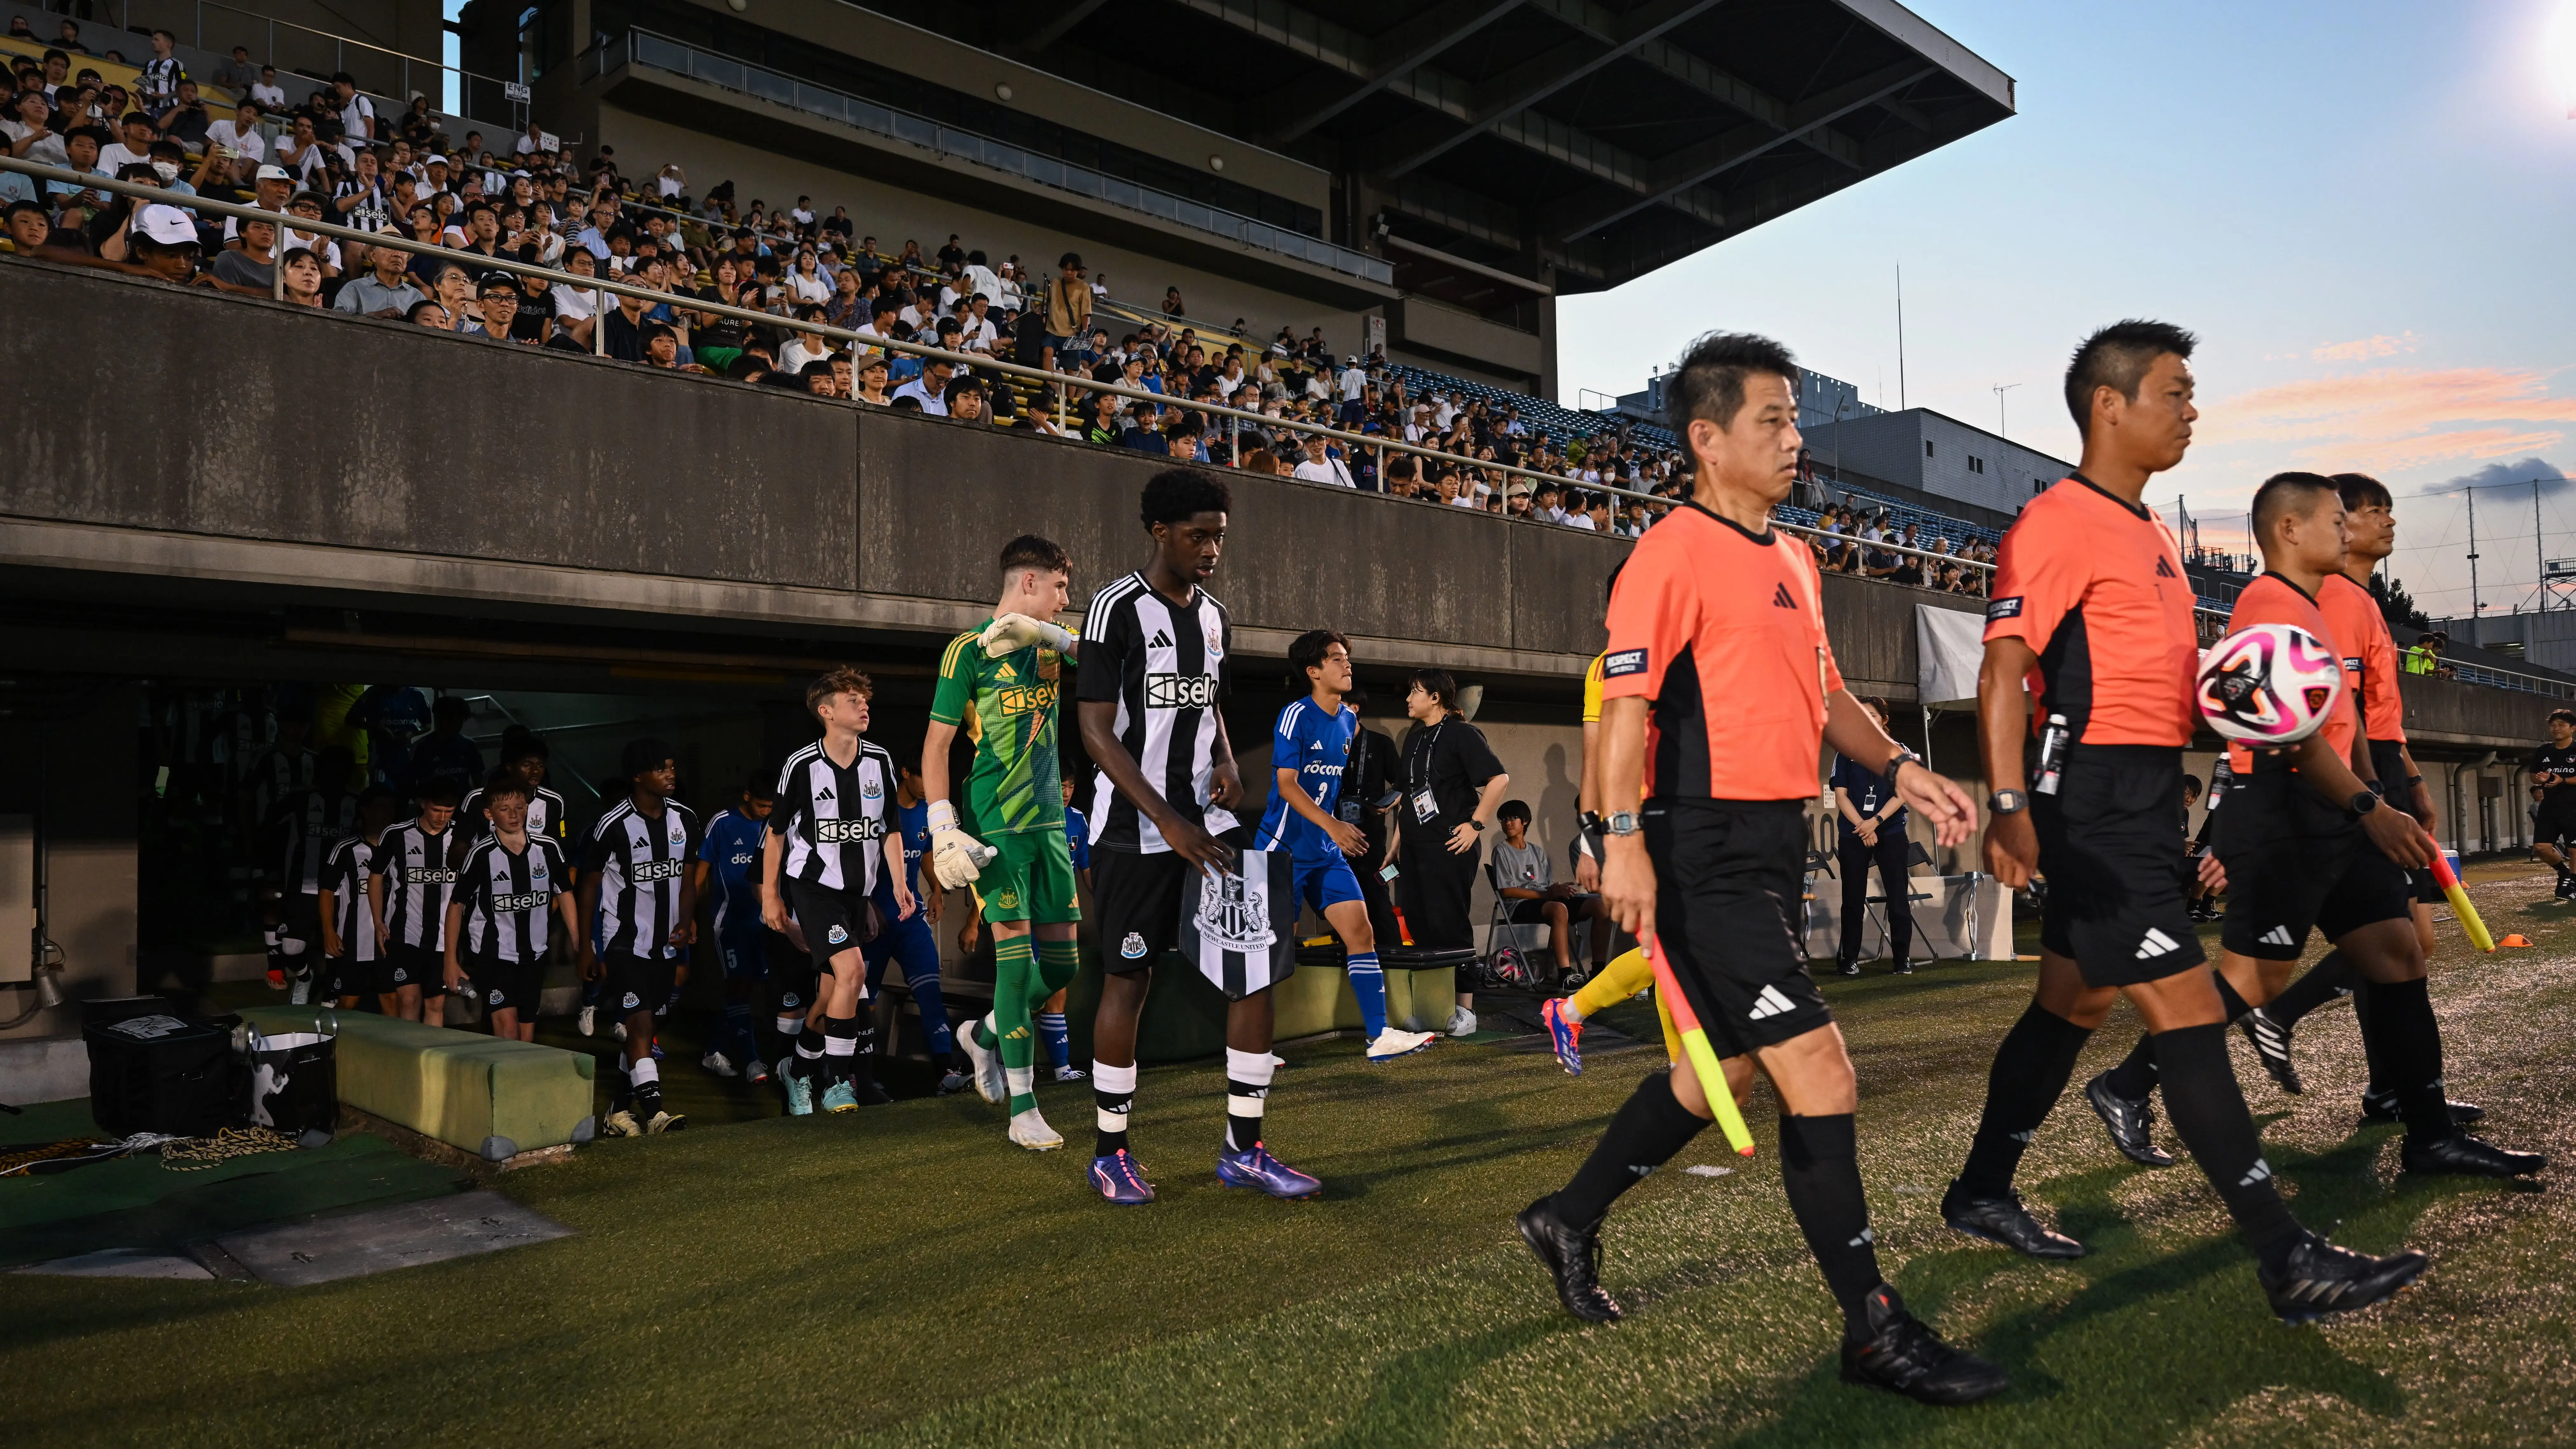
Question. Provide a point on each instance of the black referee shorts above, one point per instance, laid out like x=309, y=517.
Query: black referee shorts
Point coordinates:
x=1728, y=876
x=2295, y=861
x=2555, y=824
x=2111, y=846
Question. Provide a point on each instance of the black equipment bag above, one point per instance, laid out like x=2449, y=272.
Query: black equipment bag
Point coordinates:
x=156, y=1073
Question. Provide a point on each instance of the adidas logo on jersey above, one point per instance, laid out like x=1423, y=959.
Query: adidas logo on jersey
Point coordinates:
x=2277, y=936
x=2156, y=944
x=1161, y=640
x=2165, y=569
x=1780, y=597
x=1769, y=1004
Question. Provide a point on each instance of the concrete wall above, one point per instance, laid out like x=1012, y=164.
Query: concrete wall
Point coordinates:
x=1450, y=333
x=67, y=757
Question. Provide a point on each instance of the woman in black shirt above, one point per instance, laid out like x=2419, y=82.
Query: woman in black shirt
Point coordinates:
x=1452, y=786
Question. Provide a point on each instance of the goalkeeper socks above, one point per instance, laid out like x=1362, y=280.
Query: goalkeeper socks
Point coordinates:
x=1113, y=1092
x=2029, y=1075
x=1650, y=1127
x=1057, y=1039
x=840, y=1048
x=1058, y=963
x=1247, y=1084
x=1368, y=983
x=2208, y=1110
x=1014, y=975
x=1820, y=1170
x=2401, y=1014
x=1627, y=974
x=2326, y=980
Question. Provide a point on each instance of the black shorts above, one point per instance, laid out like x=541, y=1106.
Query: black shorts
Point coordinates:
x=507, y=985
x=2555, y=822
x=629, y=983
x=362, y=978
x=833, y=921
x=1728, y=875
x=2110, y=844
x=299, y=917
x=415, y=966
x=1137, y=900
x=2295, y=861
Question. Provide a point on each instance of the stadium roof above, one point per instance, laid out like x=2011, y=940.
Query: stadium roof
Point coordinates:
x=1598, y=138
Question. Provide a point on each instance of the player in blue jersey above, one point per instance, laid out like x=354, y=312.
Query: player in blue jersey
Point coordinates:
x=909, y=941
x=1304, y=818
x=1053, y=1032
x=729, y=861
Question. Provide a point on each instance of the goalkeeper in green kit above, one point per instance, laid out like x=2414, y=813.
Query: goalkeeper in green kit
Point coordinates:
x=1000, y=682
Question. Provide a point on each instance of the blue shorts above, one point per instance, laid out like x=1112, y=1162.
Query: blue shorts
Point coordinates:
x=740, y=941
x=1327, y=883
x=907, y=943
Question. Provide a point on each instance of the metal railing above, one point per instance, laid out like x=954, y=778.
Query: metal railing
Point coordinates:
x=512, y=91
x=659, y=52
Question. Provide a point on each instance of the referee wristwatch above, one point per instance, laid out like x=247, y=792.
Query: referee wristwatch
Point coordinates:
x=1898, y=761
x=2362, y=803
x=1622, y=822
x=2007, y=802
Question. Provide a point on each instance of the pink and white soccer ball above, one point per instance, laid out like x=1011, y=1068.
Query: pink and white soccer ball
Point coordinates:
x=2268, y=684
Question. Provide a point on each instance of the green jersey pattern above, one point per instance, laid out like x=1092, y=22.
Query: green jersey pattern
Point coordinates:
x=1007, y=706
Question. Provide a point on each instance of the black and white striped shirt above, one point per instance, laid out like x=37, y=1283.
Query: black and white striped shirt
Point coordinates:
x=546, y=817
x=1166, y=666
x=642, y=862
x=308, y=823
x=835, y=819
x=344, y=875
x=419, y=874
x=278, y=773
x=509, y=898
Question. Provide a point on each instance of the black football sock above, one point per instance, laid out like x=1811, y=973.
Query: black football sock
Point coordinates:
x=2401, y=1012
x=1113, y=1095
x=2029, y=1075
x=647, y=1076
x=2371, y=1048
x=2135, y=1076
x=2208, y=1111
x=1649, y=1128
x=809, y=1053
x=863, y=1062
x=840, y=1048
x=1820, y=1169
x=2228, y=1000
x=2324, y=981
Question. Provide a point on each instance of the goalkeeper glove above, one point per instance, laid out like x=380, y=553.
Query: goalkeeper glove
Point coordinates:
x=1011, y=633
x=956, y=858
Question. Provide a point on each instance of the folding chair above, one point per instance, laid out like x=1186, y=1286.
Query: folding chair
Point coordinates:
x=1511, y=961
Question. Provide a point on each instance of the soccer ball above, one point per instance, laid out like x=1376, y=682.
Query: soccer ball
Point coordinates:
x=2268, y=684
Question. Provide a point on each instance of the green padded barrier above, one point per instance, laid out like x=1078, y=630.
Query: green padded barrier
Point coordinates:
x=488, y=1097
x=1421, y=1000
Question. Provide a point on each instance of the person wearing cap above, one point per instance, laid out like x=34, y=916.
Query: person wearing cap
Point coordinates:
x=496, y=306
x=385, y=290
x=870, y=381
x=271, y=185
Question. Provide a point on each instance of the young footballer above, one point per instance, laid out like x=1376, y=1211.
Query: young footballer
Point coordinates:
x=1719, y=690
x=353, y=949
x=408, y=880
x=837, y=834
x=509, y=894
x=523, y=755
x=2091, y=611
x=910, y=941
x=729, y=865
x=1308, y=752
x=639, y=895
x=1001, y=682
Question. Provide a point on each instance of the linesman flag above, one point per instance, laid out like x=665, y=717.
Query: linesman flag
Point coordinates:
x=1240, y=929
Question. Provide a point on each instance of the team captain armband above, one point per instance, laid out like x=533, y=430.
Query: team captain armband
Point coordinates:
x=1622, y=663
x=2003, y=608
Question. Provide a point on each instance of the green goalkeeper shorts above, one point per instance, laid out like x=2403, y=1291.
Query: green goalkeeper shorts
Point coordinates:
x=1031, y=879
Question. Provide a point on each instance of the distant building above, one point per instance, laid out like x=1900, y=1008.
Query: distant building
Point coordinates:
x=1930, y=459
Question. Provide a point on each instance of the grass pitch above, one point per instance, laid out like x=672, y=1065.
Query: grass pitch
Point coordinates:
x=905, y=1277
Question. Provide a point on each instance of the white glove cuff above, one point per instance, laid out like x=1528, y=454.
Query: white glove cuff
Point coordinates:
x=943, y=815
x=1055, y=636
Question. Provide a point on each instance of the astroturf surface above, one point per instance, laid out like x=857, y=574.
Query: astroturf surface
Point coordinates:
x=904, y=1276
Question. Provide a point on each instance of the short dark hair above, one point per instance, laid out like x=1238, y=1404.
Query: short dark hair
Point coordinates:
x=1514, y=810
x=1177, y=494
x=760, y=784
x=440, y=790
x=2118, y=356
x=1440, y=684
x=2283, y=494
x=520, y=744
x=505, y=782
x=1028, y=551
x=1308, y=651
x=2568, y=715
x=1709, y=380
x=839, y=679
x=2360, y=490
x=645, y=754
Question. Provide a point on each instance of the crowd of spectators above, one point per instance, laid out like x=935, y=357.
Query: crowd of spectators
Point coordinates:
x=332, y=156
x=1865, y=542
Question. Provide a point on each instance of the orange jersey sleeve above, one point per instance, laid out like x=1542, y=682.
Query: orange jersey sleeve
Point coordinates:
x=2094, y=585
x=1723, y=633
x=2272, y=599
x=2369, y=656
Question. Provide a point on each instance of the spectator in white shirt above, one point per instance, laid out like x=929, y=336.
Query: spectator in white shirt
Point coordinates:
x=357, y=114
x=135, y=148
x=1353, y=379
x=1321, y=467
x=240, y=134
x=268, y=92
x=533, y=143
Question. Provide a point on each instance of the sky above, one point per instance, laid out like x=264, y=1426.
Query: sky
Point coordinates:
x=2366, y=211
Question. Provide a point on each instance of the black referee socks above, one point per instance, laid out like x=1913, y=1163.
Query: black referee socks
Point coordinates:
x=2323, y=982
x=1820, y=1169
x=2208, y=1110
x=1650, y=1127
x=2410, y=1041
x=2029, y=1075
x=2135, y=1076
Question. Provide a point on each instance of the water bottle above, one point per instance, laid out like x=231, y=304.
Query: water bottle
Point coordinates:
x=2052, y=756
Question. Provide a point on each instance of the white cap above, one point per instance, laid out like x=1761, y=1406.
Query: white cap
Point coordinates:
x=167, y=225
x=272, y=173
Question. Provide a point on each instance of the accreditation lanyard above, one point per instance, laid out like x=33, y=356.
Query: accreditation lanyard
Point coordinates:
x=1418, y=776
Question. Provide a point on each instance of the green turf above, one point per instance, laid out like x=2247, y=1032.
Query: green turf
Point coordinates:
x=905, y=1277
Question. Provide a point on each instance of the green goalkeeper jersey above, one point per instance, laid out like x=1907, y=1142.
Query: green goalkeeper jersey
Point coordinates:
x=1007, y=706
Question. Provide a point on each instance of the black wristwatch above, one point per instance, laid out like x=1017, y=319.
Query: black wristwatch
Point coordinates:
x=1899, y=761
x=2007, y=802
x=2362, y=804
x=1478, y=824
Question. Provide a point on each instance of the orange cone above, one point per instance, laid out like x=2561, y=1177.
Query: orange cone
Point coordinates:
x=2515, y=940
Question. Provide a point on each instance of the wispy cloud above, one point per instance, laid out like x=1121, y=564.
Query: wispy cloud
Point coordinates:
x=2364, y=348
x=2393, y=419
x=2521, y=470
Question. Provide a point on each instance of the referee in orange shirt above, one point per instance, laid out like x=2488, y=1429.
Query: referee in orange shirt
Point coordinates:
x=2092, y=612
x=1718, y=688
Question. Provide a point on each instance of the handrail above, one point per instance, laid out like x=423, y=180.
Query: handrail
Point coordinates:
x=341, y=42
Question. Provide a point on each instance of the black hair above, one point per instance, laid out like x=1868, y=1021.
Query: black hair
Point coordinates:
x=2191, y=784
x=1514, y=810
x=1178, y=494
x=1709, y=380
x=2360, y=490
x=2118, y=357
x=1439, y=684
x=506, y=781
x=2568, y=715
x=518, y=742
x=2283, y=494
x=1028, y=551
x=643, y=755
x=441, y=791
x=760, y=784
x=1308, y=651
x=451, y=705
x=374, y=794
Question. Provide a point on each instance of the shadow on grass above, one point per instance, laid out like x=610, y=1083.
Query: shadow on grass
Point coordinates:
x=1408, y=1402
